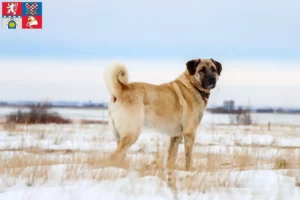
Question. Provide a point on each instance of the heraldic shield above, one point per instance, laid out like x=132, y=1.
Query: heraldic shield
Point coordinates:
x=25, y=15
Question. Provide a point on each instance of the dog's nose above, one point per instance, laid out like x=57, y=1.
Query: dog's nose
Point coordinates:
x=212, y=80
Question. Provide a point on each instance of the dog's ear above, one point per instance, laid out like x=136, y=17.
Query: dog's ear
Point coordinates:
x=218, y=65
x=192, y=65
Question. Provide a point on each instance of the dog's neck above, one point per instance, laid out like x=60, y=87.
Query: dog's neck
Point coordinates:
x=200, y=94
x=204, y=94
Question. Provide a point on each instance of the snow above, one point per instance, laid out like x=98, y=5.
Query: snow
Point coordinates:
x=59, y=165
x=258, y=185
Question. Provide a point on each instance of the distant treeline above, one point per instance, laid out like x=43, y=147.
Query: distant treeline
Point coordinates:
x=229, y=107
x=223, y=110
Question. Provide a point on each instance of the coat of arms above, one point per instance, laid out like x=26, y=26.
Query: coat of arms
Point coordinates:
x=25, y=15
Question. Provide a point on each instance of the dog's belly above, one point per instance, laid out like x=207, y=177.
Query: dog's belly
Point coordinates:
x=162, y=125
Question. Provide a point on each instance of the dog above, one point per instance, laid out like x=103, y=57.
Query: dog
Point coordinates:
x=174, y=108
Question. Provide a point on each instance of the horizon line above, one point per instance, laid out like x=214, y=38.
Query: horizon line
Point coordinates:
x=107, y=102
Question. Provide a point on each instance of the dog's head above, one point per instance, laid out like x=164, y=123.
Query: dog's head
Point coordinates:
x=204, y=73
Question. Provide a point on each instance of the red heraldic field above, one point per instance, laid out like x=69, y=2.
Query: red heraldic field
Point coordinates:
x=11, y=8
x=32, y=22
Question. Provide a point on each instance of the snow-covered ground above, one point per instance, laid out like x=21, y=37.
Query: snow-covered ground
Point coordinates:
x=72, y=162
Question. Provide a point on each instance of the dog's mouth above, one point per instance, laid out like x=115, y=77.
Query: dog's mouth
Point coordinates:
x=211, y=86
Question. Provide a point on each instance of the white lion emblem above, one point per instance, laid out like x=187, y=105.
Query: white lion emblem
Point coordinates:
x=12, y=8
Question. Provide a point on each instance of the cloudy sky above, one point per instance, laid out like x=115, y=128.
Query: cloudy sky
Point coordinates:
x=257, y=42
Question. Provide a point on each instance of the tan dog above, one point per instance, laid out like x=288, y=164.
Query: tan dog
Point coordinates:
x=175, y=108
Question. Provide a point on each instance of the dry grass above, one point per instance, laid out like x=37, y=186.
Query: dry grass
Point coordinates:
x=211, y=168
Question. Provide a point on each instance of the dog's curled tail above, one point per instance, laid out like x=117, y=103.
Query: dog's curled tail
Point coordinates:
x=116, y=78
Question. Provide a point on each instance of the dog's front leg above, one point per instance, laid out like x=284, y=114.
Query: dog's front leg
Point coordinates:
x=173, y=149
x=189, y=139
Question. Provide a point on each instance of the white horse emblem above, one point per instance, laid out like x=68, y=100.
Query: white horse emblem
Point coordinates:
x=31, y=21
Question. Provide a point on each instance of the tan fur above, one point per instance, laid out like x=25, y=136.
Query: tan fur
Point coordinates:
x=175, y=108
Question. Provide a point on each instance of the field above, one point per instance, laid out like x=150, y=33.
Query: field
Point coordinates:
x=73, y=162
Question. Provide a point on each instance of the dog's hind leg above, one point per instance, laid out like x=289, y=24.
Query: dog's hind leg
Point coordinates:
x=128, y=125
x=124, y=144
x=114, y=130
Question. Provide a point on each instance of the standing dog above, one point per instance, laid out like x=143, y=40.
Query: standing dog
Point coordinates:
x=175, y=108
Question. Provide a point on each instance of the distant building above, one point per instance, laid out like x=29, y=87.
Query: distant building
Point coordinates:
x=228, y=105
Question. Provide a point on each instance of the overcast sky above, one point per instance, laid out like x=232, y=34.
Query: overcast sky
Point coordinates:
x=257, y=42
x=255, y=29
x=257, y=83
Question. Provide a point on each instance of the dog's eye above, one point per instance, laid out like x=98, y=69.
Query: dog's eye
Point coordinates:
x=203, y=70
x=213, y=69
